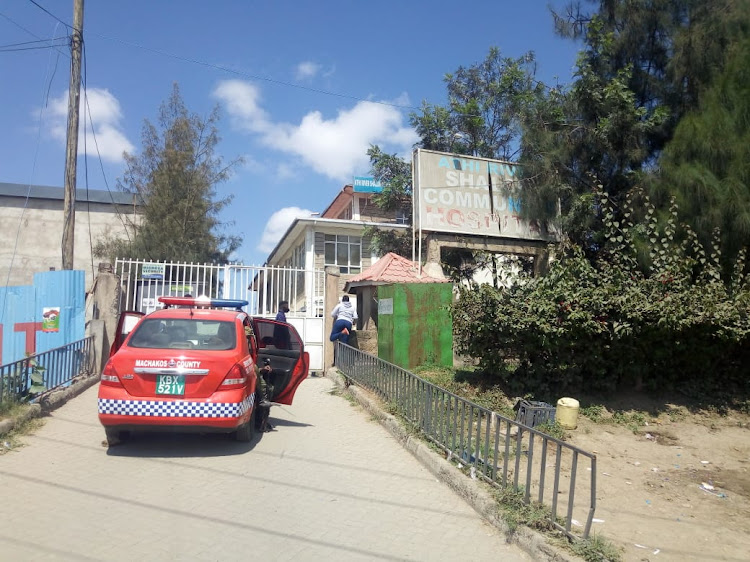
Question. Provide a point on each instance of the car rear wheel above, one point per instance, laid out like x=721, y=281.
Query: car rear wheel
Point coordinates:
x=245, y=432
x=115, y=436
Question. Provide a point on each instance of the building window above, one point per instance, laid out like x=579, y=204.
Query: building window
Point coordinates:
x=297, y=258
x=344, y=252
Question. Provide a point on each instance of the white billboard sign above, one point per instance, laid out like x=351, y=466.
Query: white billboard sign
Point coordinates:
x=460, y=194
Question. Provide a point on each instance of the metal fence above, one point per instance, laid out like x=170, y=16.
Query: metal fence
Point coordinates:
x=143, y=282
x=57, y=366
x=496, y=449
x=262, y=286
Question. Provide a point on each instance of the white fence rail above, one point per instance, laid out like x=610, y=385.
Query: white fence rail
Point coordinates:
x=143, y=282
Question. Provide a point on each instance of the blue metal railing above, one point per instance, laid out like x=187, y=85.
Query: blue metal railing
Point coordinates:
x=496, y=449
x=57, y=366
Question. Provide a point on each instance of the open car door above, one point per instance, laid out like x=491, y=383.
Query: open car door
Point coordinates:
x=280, y=344
x=125, y=325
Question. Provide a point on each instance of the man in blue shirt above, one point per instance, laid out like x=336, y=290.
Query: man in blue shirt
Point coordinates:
x=283, y=309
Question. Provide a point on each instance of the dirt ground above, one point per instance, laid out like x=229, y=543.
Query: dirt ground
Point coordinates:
x=677, y=489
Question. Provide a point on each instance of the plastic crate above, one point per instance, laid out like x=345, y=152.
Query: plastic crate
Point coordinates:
x=533, y=413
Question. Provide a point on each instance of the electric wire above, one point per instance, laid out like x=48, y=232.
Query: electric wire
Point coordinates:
x=46, y=11
x=54, y=73
x=14, y=22
x=18, y=25
x=252, y=76
x=277, y=82
x=15, y=50
x=66, y=37
x=96, y=143
x=257, y=77
x=31, y=181
x=86, y=176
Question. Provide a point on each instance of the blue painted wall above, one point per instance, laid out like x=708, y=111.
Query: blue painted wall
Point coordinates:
x=21, y=313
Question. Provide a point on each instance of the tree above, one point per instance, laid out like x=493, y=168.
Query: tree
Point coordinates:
x=675, y=47
x=175, y=176
x=596, y=131
x=481, y=118
x=643, y=65
x=705, y=166
x=485, y=101
x=394, y=173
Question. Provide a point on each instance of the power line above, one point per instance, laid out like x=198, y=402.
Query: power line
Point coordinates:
x=252, y=76
x=247, y=74
x=33, y=169
x=281, y=82
x=19, y=26
x=37, y=41
x=96, y=144
x=88, y=198
x=6, y=50
x=46, y=11
x=54, y=72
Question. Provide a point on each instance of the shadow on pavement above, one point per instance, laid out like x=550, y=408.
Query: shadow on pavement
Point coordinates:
x=287, y=423
x=160, y=444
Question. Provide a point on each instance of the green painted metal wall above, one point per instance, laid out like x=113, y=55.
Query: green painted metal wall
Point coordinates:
x=419, y=330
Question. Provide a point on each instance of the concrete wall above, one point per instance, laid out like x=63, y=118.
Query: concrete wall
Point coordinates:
x=31, y=235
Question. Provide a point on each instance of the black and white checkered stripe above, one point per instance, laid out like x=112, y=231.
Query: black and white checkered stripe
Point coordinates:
x=176, y=408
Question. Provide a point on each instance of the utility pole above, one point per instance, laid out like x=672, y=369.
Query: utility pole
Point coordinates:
x=71, y=150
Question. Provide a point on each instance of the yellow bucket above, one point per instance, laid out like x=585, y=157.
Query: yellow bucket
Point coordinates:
x=566, y=413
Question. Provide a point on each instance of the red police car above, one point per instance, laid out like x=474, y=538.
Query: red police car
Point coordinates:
x=191, y=366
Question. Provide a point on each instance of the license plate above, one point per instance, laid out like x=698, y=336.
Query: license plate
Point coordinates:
x=170, y=384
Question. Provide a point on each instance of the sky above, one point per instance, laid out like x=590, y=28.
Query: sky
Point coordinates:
x=303, y=87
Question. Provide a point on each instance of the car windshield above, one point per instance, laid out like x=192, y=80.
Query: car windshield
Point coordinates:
x=161, y=333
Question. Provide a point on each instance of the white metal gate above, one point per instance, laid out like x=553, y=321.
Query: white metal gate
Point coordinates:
x=262, y=286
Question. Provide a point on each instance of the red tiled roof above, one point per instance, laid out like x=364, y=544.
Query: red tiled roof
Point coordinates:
x=393, y=268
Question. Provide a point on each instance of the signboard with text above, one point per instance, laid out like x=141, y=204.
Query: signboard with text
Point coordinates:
x=460, y=194
x=153, y=271
x=366, y=185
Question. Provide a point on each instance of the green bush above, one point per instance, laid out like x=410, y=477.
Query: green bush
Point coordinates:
x=615, y=321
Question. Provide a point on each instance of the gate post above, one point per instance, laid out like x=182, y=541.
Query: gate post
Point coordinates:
x=332, y=276
x=105, y=307
x=227, y=282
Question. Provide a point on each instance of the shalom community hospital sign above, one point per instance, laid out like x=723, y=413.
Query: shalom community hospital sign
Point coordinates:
x=464, y=195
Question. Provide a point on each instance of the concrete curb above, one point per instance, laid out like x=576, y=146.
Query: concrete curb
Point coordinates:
x=34, y=411
x=50, y=401
x=473, y=492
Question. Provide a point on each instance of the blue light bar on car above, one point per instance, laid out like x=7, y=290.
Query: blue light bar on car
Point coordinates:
x=203, y=301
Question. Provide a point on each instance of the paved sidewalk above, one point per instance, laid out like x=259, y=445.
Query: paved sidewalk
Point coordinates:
x=327, y=484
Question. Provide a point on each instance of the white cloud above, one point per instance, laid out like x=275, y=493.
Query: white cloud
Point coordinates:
x=242, y=103
x=307, y=69
x=335, y=147
x=105, y=115
x=252, y=164
x=277, y=226
x=285, y=172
